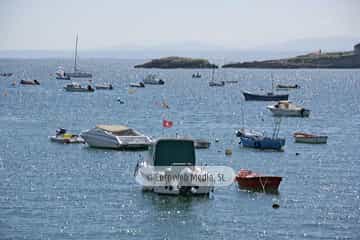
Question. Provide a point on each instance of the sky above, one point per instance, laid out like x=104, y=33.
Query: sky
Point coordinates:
x=129, y=24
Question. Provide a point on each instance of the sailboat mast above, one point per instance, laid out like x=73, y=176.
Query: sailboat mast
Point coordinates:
x=76, y=45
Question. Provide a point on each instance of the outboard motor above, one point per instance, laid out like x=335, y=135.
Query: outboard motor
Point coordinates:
x=60, y=131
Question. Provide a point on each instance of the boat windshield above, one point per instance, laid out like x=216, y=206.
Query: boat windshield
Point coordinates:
x=172, y=152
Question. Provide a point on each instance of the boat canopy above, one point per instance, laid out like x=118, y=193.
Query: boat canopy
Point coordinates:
x=113, y=128
x=174, y=152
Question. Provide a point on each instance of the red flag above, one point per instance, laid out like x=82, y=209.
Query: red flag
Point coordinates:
x=167, y=124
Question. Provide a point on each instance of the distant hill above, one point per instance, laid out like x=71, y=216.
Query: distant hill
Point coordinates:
x=318, y=59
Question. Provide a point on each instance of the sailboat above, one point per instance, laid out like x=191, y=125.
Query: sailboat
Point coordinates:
x=77, y=73
x=270, y=96
x=213, y=83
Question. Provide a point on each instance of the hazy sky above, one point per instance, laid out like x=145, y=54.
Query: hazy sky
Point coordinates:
x=241, y=24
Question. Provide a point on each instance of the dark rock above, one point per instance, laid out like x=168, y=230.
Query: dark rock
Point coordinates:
x=177, y=62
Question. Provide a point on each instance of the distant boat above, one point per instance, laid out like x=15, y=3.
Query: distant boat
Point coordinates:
x=30, y=82
x=77, y=73
x=6, y=74
x=137, y=85
x=257, y=182
x=270, y=96
x=231, y=81
x=301, y=137
x=288, y=109
x=61, y=75
x=214, y=83
x=196, y=75
x=104, y=86
x=285, y=87
x=76, y=87
x=201, y=144
x=153, y=80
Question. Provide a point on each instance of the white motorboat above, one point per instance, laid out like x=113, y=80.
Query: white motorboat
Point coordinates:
x=170, y=169
x=301, y=137
x=115, y=137
x=153, y=79
x=76, y=87
x=288, y=109
x=60, y=74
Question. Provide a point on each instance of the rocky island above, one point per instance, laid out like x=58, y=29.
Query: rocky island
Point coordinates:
x=177, y=62
x=349, y=59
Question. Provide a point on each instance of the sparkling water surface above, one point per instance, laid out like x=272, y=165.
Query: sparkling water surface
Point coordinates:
x=54, y=191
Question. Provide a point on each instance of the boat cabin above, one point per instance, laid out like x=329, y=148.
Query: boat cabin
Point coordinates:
x=173, y=152
x=118, y=130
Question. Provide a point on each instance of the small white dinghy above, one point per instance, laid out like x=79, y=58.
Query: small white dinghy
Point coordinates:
x=301, y=137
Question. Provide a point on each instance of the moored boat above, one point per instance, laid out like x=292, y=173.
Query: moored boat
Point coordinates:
x=137, y=85
x=77, y=73
x=288, y=109
x=249, y=180
x=104, y=86
x=116, y=137
x=63, y=137
x=153, y=80
x=216, y=84
x=284, y=86
x=30, y=82
x=196, y=75
x=76, y=87
x=301, y=137
x=201, y=143
x=61, y=75
x=6, y=74
x=270, y=96
x=253, y=139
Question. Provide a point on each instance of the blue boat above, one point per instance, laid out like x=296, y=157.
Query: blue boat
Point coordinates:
x=249, y=138
x=265, y=97
x=270, y=96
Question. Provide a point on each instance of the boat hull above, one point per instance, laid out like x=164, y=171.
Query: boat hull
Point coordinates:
x=185, y=191
x=201, y=144
x=79, y=75
x=311, y=140
x=259, y=183
x=101, y=87
x=289, y=112
x=258, y=97
x=63, y=140
x=100, y=139
x=263, y=143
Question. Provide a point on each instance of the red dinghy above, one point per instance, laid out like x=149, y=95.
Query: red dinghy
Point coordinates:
x=257, y=182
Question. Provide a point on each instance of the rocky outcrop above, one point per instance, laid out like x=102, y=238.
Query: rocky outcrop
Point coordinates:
x=350, y=59
x=177, y=62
